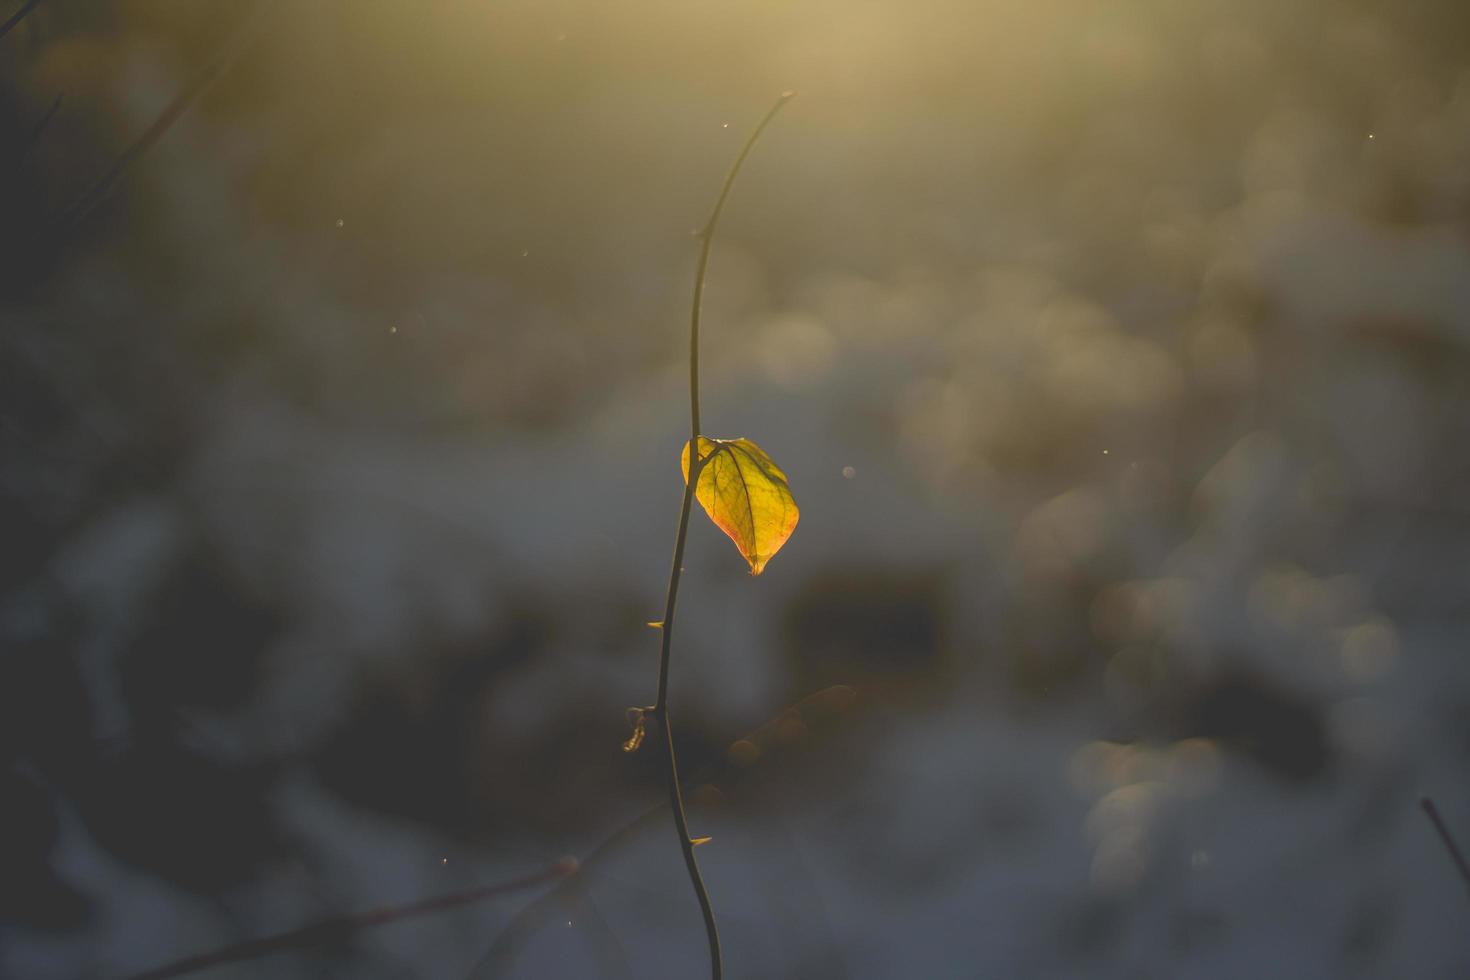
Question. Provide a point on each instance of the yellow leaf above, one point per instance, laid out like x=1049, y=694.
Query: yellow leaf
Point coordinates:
x=745, y=493
x=696, y=841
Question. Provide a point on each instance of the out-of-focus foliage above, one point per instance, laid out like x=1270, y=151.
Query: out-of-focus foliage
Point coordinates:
x=746, y=494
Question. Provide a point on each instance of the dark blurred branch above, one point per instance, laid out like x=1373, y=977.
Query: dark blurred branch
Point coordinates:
x=501, y=955
x=329, y=929
x=1449, y=842
x=40, y=126
x=606, y=948
x=230, y=51
x=570, y=875
x=18, y=16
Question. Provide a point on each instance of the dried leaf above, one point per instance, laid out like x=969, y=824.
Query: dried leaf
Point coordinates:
x=638, y=718
x=746, y=494
x=696, y=841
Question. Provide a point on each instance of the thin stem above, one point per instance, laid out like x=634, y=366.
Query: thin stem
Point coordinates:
x=1432, y=812
x=660, y=710
x=707, y=236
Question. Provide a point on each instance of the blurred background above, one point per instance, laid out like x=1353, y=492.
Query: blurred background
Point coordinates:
x=1118, y=355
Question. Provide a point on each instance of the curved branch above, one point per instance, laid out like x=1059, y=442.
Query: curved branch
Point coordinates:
x=660, y=710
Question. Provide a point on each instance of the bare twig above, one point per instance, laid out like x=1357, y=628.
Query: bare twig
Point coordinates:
x=501, y=956
x=18, y=16
x=328, y=929
x=570, y=875
x=240, y=38
x=1456, y=856
x=40, y=126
